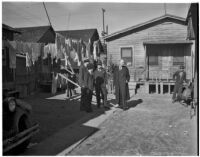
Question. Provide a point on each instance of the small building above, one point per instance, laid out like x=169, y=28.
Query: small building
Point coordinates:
x=153, y=50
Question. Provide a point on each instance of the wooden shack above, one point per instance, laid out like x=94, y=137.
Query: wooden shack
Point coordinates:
x=153, y=50
x=41, y=71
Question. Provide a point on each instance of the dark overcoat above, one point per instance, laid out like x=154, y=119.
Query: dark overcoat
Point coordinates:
x=121, y=79
x=180, y=78
x=83, y=76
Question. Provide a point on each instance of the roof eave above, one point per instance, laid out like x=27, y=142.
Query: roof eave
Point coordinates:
x=143, y=24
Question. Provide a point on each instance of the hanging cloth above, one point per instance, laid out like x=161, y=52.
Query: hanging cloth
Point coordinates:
x=83, y=49
x=95, y=50
x=79, y=47
x=36, y=51
x=60, y=46
x=89, y=49
x=98, y=48
x=52, y=50
x=74, y=45
x=60, y=53
x=72, y=54
x=46, y=51
x=28, y=60
x=12, y=54
x=19, y=47
x=58, y=42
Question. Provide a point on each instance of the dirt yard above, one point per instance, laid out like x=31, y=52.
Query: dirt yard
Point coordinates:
x=152, y=126
x=53, y=113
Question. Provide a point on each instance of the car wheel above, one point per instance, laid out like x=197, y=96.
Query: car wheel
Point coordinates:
x=23, y=124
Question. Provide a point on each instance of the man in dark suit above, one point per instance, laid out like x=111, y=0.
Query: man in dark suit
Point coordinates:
x=100, y=81
x=180, y=77
x=89, y=88
x=121, y=79
x=83, y=72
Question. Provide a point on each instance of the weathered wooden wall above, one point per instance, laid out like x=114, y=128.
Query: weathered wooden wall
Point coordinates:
x=166, y=31
x=25, y=78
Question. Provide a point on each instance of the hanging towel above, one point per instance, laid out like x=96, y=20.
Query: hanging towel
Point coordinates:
x=12, y=54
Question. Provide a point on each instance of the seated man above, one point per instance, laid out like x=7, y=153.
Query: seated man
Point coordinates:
x=180, y=77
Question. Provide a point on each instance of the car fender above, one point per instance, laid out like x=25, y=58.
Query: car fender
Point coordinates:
x=24, y=105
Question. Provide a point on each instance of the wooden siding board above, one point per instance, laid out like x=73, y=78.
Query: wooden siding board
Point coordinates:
x=160, y=32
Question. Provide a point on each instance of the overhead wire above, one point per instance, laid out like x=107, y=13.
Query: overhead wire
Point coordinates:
x=47, y=14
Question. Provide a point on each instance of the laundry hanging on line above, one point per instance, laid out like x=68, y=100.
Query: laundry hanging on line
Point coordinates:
x=12, y=54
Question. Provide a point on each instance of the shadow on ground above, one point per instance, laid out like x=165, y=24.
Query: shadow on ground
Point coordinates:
x=134, y=103
x=61, y=122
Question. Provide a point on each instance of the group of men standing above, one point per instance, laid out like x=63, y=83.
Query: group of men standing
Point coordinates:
x=94, y=77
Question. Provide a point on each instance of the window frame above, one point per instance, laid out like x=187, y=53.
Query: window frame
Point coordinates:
x=127, y=47
x=178, y=62
x=157, y=63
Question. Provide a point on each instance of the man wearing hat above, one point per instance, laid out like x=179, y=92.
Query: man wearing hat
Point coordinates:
x=100, y=81
x=83, y=75
x=89, y=88
x=180, y=78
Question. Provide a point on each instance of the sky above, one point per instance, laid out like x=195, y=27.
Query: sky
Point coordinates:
x=72, y=16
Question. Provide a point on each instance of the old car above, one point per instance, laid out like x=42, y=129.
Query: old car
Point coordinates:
x=17, y=126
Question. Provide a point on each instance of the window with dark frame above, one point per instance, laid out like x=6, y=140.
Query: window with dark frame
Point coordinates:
x=178, y=60
x=127, y=55
x=153, y=60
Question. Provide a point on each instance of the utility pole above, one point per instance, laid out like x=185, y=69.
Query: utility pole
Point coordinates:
x=103, y=11
x=47, y=14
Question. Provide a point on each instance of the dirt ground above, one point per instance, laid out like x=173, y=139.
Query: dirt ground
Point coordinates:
x=152, y=126
x=53, y=113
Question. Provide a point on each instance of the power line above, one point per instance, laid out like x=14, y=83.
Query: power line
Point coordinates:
x=47, y=14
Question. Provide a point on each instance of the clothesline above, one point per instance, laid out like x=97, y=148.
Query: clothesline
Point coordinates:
x=71, y=50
